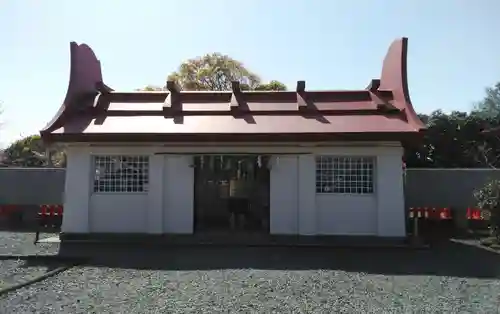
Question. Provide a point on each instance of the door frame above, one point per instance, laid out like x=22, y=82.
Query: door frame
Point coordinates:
x=196, y=186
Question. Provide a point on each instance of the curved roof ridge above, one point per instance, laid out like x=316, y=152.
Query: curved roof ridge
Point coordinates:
x=394, y=77
x=84, y=77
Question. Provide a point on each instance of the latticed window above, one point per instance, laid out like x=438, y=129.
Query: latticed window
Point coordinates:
x=121, y=174
x=344, y=175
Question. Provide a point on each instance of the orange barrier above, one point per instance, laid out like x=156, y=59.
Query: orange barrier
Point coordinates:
x=436, y=213
x=474, y=214
x=51, y=210
x=43, y=210
x=430, y=223
x=417, y=212
x=445, y=214
x=50, y=216
x=430, y=213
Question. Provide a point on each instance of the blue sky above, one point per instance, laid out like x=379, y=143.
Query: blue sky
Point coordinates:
x=454, y=51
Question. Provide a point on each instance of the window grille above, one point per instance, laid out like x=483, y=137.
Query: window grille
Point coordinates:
x=121, y=174
x=344, y=175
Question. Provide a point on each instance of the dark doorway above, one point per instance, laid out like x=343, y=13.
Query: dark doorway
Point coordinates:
x=231, y=193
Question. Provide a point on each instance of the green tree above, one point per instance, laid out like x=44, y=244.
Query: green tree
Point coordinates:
x=488, y=200
x=272, y=85
x=216, y=71
x=31, y=152
x=152, y=88
x=455, y=141
x=490, y=105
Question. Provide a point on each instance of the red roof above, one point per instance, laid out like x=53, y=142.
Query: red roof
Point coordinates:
x=92, y=111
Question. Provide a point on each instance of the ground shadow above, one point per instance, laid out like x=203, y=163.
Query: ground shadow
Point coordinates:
x=20, y=228
x=48, y=264
x=448, y=259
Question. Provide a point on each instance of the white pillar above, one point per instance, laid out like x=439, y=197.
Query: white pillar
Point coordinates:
x=155, y=195
x=77, y=189
x=390, y=194
x=284, y=195
x=178, y=188
x=307, y=195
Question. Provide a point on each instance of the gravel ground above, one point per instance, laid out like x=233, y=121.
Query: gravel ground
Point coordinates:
x=17, y=271
x=259, y=280
x=21, y=243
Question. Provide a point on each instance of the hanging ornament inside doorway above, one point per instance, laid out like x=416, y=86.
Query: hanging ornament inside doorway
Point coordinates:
x=228, y=163
x=238, y=172
x=211, y=162
x=250, y=165
x=201, y=160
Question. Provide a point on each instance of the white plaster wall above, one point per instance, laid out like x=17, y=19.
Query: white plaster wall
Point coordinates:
x=379, y=214
x=86, y=211
x=295, y=207
x=346, y=214
x=118, y=213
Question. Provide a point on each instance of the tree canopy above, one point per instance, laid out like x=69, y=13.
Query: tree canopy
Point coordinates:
x=216, y=71
x=455, y=140
x=31, y=152
x=490, y=105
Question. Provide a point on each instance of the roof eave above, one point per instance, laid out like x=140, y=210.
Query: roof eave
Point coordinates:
x=242, y=137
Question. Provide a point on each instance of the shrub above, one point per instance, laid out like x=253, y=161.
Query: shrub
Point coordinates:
x=488, y=199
